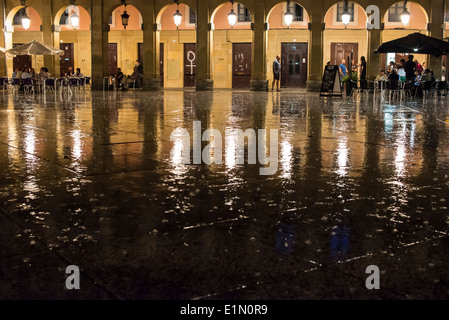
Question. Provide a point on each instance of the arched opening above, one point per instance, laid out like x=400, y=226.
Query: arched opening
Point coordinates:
x=16, y=34
x=290, y=41
x=125, y=42
x=394, y=29
x=177, y=46
x=74, y=37
x=232, y=46
x=342, y=41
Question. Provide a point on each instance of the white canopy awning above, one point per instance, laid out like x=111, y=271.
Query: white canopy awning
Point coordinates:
x=34, y=48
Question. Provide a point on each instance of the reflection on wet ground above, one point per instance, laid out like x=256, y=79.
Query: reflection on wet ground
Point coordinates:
x=90, y=182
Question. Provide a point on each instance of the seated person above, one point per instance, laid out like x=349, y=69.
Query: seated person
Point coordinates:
x=432, y=76
x=393, y=80
x=26, y=74
x=381, y=76
x=119, y=79
x=70, y=72
x=137, y=74
x=78, y=73
x=14, y=74
x=401, y=73
x=426, y=75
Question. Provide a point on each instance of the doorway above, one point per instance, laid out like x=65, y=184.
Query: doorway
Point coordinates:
x=241, y=65
x=341, y=51
x=161, y=63
x=21, y=61
x=67, y=59
x=294, y=64
x=112, y=49
x=189, y=64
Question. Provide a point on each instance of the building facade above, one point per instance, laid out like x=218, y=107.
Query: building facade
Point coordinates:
x=204, y=51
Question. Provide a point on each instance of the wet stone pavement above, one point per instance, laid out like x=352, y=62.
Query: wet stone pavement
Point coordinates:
x=89, y=181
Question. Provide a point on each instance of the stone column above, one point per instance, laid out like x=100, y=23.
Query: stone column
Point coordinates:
x=437, y=31
x=48, y=39
x=316, y=48
x=151, y=81
x=204, y=80
x=100, y=57
x=259, y=80
x=3, y=64
x=373, y=59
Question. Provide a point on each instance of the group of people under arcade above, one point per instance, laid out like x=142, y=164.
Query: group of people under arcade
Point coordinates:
x=414, y=75
x=119, y=81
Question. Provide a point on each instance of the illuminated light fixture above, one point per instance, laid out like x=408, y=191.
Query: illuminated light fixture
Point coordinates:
x=416, y=49
x=405, y=16
x=75, y=20
x=177, y=17
x=26, y=21
x=346, y=17
x=232, y=16
x=125, y=16
x=288, y=16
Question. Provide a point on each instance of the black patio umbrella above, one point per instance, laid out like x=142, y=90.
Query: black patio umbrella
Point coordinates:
x=416, y=43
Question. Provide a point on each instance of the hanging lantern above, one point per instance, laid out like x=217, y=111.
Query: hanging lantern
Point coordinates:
x=232, y=16
x=288, y=16
x=346, y=17
x=75, y=20
x=26, y=21
x=405, y=16
x=125, y=18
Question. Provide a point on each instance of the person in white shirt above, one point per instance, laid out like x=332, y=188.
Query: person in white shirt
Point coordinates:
x=26, y=74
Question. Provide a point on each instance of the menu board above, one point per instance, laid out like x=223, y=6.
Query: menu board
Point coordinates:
x=330, y=86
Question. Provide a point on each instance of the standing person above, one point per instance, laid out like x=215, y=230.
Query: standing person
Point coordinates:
x=410, y=68
x=342, y=68
x=276, y=72
x=363, y=72
x=343, y=71
x=418, y=67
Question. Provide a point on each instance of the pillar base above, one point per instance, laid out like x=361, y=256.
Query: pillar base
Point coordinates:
x=151, y=84
x=205, y=85
x=313, y=86
x=258, y=85
x=97, y=84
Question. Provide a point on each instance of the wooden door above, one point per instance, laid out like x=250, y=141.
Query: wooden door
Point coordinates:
x=241, y=65
x=294, y=64
x=341, y=51
x=189, y=64
x=161, y=63
x=21, y=61
x=67, y=59
x=140, y=53
x=112, y=49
